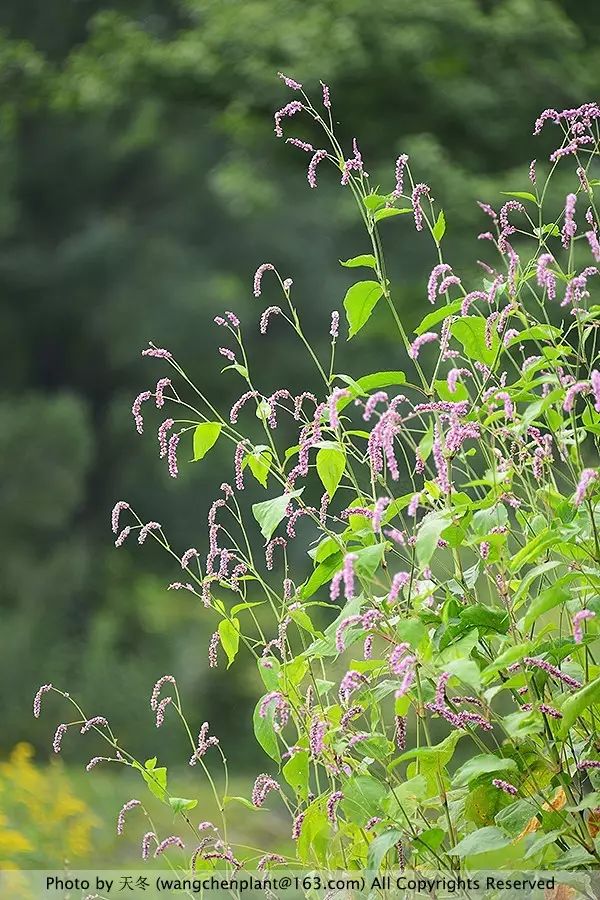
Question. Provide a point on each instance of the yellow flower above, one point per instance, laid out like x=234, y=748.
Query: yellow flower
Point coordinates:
x=42, y=821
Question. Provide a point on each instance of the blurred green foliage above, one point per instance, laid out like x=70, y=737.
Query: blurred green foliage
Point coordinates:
x=141, y=186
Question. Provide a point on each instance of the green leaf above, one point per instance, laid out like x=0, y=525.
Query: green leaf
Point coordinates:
x=380, y=846
x=331, y=462
x=367, y=259
x=470, y=332
x=466, y=670
x=574, y=705
x=229, y=633
x=375, y=201
x=534, y=548
x=481, y=765
x=259, y=463
x=439, y=229
x=368, y=560
x=205, y=437
x=362, y=798
x=522, y=195
x=179, y=804
x=265, y=732
x=156, y=779
x=243, y=801
x=321, y=575
x=270, y=513
x=359, y=303
x=429, y=534
x=295, y=772
x=372, y=383
x=438, y=315
x=481, y=841
x=547, y=600
x=389, y=212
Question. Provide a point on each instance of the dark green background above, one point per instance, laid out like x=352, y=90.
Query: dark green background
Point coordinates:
x=140, y=187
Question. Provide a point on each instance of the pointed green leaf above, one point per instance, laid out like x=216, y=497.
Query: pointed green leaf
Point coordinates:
x=270, y=513
x=331, y=462
x=577, y=703
x=439, y=229
x=359, y=303
x=265, y=732
x=367, y=259
x=481, y=841
x=229, y=633
x=205, y=437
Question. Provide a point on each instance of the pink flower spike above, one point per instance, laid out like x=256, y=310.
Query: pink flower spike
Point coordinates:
x=264, y=319
x=311, y=173
x=290, y=109
x=419, y=342
x=118, y=508
x=400, y=165
x=131, y=804
x=37, y=700
x=579, y=617
x=419, y=191
x=326, y=96
x=157, y=353
x=289, y=82
x=265, y=267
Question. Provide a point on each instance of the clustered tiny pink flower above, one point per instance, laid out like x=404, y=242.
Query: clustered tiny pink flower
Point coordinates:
x=532, y=176
x=297, y=826
x=172, y=455
x=289, y=82
x=290, y=109
x=569, y=228
x=135, y=410
x=204, y=743
x=316, y=737
x=354, y=164
x=58, y=736
x=94, y=722
x=582, y=616
x=505, y=786
x=332, y=802
x=146, y=840
x=157, y=689
x=326, y=96
x=146, y=529
x=335, y=324
x=131, y=804
x=400, y=166
x=172, y=841
x=228, y=354
x=302, y=145
x=399, y=581
x=159, y=391
x=157, y=353
x=554, y=671
x=420, y=341
x=162, y=436
x=264, y=319
x=160, y=710
x=212, y=650
x=240, y=452
x=419, y=191
x=258, y=275
x=235, y=409
x=311, y=172
x=588, y=476
x=37, y=700
x=263, y=784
